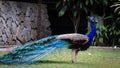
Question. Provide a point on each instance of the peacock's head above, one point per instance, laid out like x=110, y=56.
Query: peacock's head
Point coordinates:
x=92, y=19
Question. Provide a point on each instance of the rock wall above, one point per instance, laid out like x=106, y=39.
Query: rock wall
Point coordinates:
x=45, y=24
x=18, y=22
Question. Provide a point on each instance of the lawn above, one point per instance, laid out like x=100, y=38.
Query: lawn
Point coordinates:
x=92, y=58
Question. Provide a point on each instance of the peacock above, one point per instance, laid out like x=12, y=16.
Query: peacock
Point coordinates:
x=34, y=51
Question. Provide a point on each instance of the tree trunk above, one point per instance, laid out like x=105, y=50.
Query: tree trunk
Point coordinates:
x=113, y=42
x=76, y=21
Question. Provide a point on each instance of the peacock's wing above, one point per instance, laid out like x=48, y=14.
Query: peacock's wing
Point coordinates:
x=31, y=52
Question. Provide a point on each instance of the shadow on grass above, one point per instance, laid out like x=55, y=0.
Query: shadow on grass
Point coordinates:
x=60, y=62
x=50, y=62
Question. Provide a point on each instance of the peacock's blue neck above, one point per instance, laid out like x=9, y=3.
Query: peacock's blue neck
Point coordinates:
x=92, y=33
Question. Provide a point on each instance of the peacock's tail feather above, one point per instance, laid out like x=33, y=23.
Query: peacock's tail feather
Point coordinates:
x=31, y=52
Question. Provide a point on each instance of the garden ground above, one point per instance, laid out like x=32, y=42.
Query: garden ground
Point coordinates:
x=92, y=58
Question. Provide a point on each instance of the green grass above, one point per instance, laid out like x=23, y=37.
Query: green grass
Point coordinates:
x=92, y=58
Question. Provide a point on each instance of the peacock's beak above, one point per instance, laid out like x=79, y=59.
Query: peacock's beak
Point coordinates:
x=93, y=19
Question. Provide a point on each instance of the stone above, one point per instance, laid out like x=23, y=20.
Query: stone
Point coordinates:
x=8, y=31
x=33, y=25
x=1, y=22
x=14, y=37
x=14, y=26
x=6, y=7
x=1, y=43
x=27, y=24
x=18, y=22
x=28, y=12
x=10, y=39
x=0, y=38
x=0, y=32
x=18, y=42
x=22, y=18
x=19, y=36
x=45, y=25
x=26, y=34
x=33, y=34
x=9, y=22
x=14, y=42
x=4, y=37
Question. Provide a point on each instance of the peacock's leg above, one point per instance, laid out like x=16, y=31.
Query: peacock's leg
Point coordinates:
x=73, y=55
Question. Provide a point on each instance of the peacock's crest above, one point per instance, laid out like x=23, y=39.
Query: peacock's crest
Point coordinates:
x=33, y=51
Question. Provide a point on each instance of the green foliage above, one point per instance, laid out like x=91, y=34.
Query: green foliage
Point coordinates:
x=117, y=7
x=104, y=31
x=62, y=11
x=75, y=6
x=113, y=30
x=101, y=33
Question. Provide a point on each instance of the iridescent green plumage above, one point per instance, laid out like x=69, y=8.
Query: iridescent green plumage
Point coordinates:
x=34, y=51
x=31, y=52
